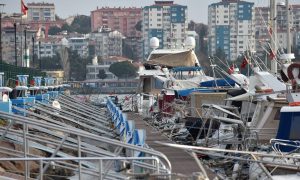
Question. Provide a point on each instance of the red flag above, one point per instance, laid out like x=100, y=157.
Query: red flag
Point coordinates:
x=244, y=63
x=272, y=55
x=231, y=69
x=24, y=8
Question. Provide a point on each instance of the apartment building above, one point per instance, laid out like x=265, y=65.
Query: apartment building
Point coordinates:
x=41, y=11
x=120, y=19
x=231, y=28
x=166, y=21
x=107, y=42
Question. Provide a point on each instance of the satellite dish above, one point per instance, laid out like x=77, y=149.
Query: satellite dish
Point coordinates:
x=154, y=43
x=5, y=98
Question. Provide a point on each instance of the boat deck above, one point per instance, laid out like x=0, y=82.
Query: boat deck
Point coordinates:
x=181, y=161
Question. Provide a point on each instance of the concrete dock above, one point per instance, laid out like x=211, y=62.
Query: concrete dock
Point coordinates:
x=181, y=161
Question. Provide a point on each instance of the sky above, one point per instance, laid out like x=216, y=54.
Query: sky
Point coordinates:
x=197, y=9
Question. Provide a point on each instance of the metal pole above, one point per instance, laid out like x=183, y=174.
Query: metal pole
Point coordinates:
x=41, y=169
x=274, y=34
x=40, y=55
x=25, y=49
x=0, y=37
x=25, y=129
x=100, y=169
x=33, y=51
x=288, y=49
x=1, y=57
x=16, y=57
x=79, y=155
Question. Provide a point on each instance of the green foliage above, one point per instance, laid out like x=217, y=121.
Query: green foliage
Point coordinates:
x=123, y=69
x=66, y=27
x=202, y=31
x=54, y=30
x=77, y=66
x=139, y=25
x=101, y=74
x=127, y=51
x=57, y=17
x=202, y=50
x=50, y=63
x=81, y=24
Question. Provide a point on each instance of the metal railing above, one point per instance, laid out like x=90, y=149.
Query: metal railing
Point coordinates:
x=71, y=131
x=99, y=172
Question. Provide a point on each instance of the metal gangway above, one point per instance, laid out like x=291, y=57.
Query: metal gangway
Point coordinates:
x=78, y=138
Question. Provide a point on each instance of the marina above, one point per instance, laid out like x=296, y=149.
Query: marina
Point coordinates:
x=140, y=93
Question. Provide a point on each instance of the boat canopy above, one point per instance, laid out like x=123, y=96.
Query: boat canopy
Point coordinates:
x=186, y=92
x=183, y=68
x=186, y=58
x=218, y=82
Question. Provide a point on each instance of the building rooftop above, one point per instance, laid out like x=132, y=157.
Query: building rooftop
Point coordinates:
x=226, y=2
x=117, y=9
x=40, y=4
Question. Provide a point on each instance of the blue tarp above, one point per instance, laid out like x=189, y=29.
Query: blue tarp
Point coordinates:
x=186, y=92
x=184, y=68
x=219, y=82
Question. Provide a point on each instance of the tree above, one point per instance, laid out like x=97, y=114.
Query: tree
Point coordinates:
x=81, y=24
x=127, y=51
x=139, y=26
x=66, y=27
x=54, y=30
x=77, y=66
x=50, y=63
x=102, y=74
x=57, y=18
x=123, y=69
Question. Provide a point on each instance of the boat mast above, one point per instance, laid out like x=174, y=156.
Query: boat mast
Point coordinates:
x=289, y=49
x=274, y=34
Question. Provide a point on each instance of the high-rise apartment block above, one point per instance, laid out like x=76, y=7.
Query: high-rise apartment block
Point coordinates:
x=231, y=28
x=263, y=24
x=41, y=12
x=166, y=21
x=120, y=19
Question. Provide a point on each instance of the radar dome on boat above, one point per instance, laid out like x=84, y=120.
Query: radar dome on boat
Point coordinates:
x=154, y=43
x=95, y=60
x=190, y=42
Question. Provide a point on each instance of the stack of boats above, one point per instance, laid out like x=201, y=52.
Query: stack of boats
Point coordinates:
x=247, y=126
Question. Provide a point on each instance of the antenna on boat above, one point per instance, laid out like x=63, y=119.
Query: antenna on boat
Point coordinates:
x=273, y=34
x=287, y=58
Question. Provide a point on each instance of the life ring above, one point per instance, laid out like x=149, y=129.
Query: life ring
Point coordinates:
x=290, y=70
